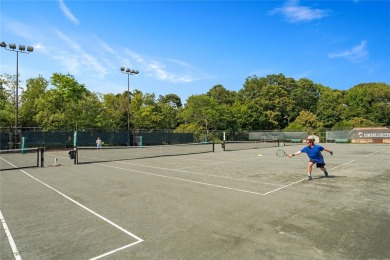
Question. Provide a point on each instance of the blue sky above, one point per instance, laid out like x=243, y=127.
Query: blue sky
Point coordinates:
x=187, y=47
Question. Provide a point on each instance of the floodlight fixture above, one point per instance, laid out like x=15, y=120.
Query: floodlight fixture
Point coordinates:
x=22, y=48
x=30, y=49
x=12, y=46
x=3, y=44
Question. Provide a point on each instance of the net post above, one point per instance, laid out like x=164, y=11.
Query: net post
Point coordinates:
x=213, y=146
x=76, y=156
x=41, y=151
x=38, y=156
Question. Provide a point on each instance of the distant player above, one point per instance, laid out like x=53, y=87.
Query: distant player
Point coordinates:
x=99, y=144
x=315, y=157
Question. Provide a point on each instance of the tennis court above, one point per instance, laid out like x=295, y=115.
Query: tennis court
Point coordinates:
x=247, y=204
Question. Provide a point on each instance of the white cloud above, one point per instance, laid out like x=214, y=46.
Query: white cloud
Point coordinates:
x=77, y=60
x=159, y=70
x=68, y=14
x=294, y=13
x=182, y=63
x=355, y=54
x=161, y=73
x=20, y=29
x=78, y=57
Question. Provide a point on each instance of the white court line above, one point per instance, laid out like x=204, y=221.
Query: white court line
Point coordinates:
x=196, y=173
x=304, y=179
x=282, y=187
x=180, y=179
x=330, y=169
x=139, y=240
x=343, y=164
x=116, y=250
x=10, y=239
x=217, y=186
x=230, y=161
x=374, y=153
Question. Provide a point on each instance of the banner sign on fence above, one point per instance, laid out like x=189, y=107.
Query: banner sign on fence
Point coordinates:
x=371, y=133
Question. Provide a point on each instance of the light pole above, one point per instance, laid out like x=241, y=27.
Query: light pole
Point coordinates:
x=22, y=49
x=128, y=72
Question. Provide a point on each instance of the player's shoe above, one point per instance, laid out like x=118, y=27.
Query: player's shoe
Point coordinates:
x=326, y=173
x=309, y=178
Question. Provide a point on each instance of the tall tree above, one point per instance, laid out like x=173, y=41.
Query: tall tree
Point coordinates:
x=370, y=101
x=306, y=121
x=202, y=110
x=145, y=114
x=171, y=99
x=305, y=96
x=61, y=106
x=273, y=94
x=330, y=107
x=35, y=90
x=169, y=106
x=114, y=111
x=222, y=95
x=7, y=100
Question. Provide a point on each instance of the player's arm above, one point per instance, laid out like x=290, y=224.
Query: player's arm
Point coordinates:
x=329, y=151
x=296, y=153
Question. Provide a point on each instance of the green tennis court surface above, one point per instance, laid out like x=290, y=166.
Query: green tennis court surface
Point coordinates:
x=214, y=205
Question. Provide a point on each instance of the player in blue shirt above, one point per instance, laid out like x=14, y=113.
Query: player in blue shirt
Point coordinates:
x=315, y=156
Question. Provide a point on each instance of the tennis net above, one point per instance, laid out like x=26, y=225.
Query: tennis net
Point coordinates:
x=108, y=153
x=246, y=145
x=289, y=142
x=21, y=158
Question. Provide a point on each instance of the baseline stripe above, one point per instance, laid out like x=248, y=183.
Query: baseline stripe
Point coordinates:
x=10, y=239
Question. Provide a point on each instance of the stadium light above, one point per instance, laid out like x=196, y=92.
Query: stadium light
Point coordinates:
x=128, y=72
x=22, y=49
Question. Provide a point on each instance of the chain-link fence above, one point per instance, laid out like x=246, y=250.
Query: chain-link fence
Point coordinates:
x=360, y=135
x=37, y=137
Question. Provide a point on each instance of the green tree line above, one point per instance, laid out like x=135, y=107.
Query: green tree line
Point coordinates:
x=273, y=102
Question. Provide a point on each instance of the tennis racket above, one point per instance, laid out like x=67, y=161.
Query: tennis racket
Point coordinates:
x=280, y=153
